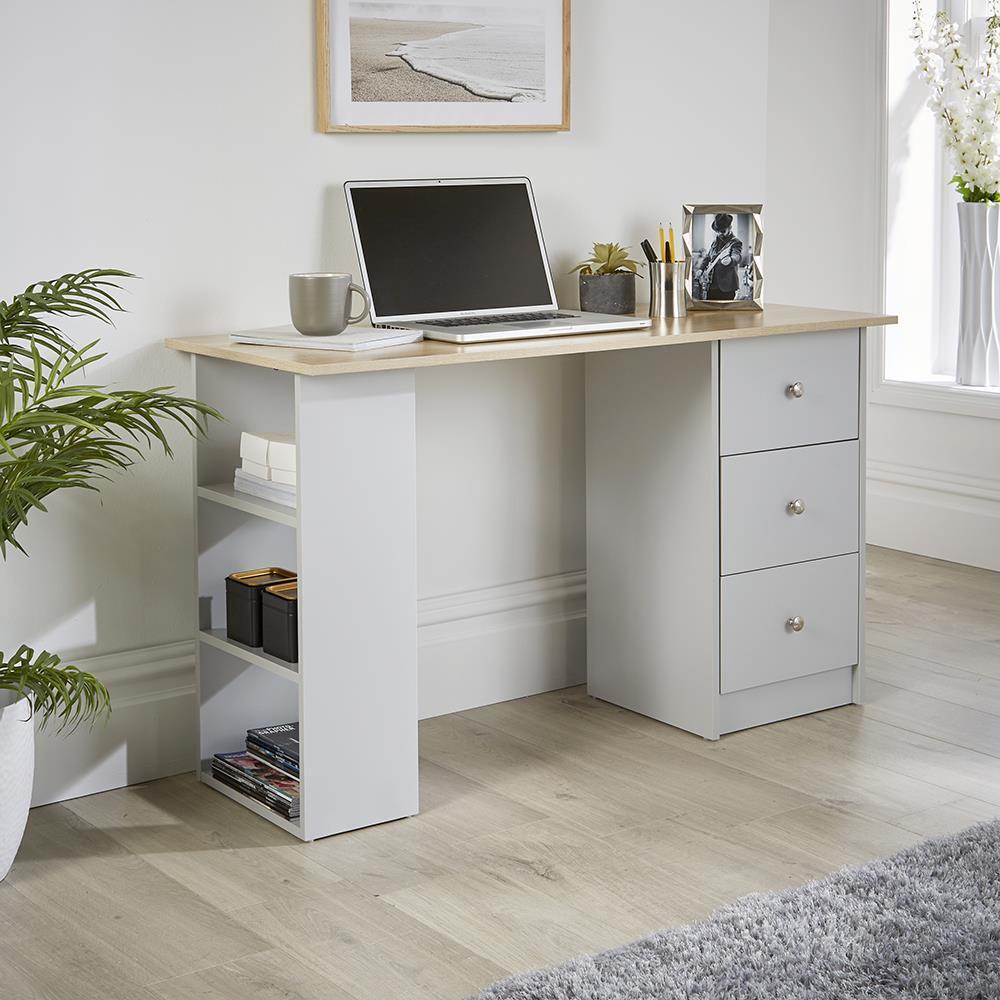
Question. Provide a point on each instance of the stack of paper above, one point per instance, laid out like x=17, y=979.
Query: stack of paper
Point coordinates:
x=245, y=482
x=357, y=338
x=268, y=467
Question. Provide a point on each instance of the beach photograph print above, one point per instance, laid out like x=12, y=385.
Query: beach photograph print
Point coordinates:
x=403, y=65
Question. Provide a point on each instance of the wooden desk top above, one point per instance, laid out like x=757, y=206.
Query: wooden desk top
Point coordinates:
x=693, y=329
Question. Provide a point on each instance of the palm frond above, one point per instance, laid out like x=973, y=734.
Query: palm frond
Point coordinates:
x=57, y=691
x=59, y=433
x=85, y=293
x=55, y=431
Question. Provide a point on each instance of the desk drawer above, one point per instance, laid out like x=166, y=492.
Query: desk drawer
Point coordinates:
x=759, y=645
x=761, y=492
x=759, y=409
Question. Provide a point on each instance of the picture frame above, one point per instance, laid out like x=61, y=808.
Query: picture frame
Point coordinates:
x=714, y=280
x=380, y=70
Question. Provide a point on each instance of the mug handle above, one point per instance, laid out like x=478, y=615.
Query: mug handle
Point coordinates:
x=364, y=312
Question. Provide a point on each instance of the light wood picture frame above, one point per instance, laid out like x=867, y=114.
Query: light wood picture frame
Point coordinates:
x=385, y=66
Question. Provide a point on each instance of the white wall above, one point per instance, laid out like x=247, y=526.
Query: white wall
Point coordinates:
x=933, y=476
x=820, y=214
x=934, y=484
x=176, y=140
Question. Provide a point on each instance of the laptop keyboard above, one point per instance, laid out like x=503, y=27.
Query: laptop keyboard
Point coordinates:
x=508, y=318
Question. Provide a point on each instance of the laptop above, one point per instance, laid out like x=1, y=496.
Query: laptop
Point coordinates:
x=462, y=260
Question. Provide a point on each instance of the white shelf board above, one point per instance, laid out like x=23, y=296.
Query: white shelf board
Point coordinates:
x=217, y=637
x=291, y=826
x=229, y=497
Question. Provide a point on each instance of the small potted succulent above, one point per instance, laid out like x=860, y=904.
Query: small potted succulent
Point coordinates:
x=607, y=280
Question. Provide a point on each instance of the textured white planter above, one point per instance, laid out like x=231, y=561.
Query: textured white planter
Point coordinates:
x=979, y=317
x=17, y=769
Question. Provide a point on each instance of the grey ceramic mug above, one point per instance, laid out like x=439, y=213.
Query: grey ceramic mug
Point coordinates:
x=321, y=303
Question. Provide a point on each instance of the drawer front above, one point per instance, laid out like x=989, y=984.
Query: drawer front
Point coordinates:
x=762, y=492
x=758, y=643
x=786, y=391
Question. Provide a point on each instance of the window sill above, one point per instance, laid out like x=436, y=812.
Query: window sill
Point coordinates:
x=938, y=392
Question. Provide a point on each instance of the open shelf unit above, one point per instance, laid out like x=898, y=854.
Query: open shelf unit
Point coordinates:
x=217, y=637
x=291, y=825
x=228, y=496
x=353, y=691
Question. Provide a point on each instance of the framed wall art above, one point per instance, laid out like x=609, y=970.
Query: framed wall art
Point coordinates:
x=471, y=65
x=724, y=245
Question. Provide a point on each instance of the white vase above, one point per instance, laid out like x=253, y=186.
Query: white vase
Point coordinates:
x=17, y=770
x=979, y=315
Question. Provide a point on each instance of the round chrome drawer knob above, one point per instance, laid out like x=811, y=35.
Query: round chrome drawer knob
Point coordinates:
x=796, y=624
x=796, y=506
x=796, y=390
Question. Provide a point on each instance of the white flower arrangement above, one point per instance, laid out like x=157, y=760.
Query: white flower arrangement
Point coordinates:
x=965, y=97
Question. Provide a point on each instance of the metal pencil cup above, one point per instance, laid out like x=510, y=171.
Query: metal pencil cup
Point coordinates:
x=666, y=290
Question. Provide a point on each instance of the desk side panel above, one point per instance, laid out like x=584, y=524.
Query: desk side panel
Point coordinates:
x=653, y=533
x=858, y=680
x=356, y=439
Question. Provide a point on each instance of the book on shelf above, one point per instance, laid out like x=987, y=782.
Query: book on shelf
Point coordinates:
x=266, y=784
x=278, y=761
x=282, y=739
x=282, y=808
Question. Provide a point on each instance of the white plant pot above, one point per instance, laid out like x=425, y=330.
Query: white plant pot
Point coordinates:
x=979, y=316
x=17, y=770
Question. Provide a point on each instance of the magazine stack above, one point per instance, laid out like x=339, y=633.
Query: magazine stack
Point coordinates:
x=268, y=770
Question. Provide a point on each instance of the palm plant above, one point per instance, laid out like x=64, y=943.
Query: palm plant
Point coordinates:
x=58, y=432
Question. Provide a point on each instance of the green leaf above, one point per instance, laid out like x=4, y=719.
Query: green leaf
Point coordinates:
x=58, y=434
x=58, y=692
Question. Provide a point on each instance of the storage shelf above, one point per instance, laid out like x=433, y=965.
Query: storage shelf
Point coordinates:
x=217, y=637
x=291, y=826
x=229, y=497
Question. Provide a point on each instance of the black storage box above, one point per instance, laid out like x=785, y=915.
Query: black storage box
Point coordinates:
x=243, y=601
x=281, y=621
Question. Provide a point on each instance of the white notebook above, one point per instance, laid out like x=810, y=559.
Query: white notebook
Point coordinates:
x=354, y=338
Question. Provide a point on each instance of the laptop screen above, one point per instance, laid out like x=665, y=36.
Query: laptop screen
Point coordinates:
x=446, y=247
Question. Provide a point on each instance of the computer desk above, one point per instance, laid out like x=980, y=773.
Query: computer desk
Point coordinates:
x=725, y=529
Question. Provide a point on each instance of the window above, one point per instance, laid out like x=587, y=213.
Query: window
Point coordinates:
x=922, y=251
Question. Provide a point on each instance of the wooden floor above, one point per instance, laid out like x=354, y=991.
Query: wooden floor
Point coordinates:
x=550, y=826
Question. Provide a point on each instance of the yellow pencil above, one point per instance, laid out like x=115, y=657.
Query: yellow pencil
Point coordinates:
x=673, y=246
x=663, y=244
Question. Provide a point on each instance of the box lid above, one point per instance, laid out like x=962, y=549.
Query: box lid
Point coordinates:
x=288, y=591
x=263, y=577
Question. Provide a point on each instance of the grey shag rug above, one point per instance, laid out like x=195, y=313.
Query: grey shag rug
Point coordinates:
x=924, y=923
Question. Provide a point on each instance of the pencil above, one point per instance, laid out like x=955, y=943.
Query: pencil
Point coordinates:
x=663, y=244
x=673, y=246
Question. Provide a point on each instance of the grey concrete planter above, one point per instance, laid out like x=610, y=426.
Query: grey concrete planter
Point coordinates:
x=608, y=293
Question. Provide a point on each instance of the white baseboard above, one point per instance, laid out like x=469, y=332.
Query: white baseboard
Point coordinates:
x=475, y=648
x=151, y=732
x=933, y=513
x=490, y=645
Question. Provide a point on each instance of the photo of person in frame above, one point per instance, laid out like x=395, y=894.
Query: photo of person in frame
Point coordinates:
x=721, y=257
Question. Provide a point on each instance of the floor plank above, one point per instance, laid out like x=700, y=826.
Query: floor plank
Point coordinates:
x=920, y=713
x=549, y=826
x=156, y=927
